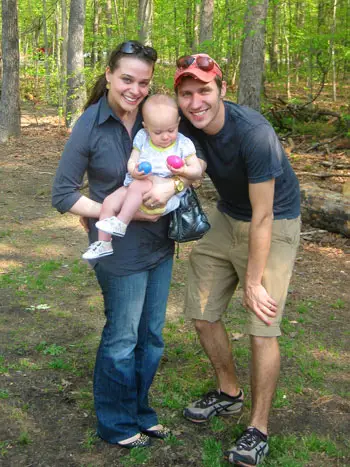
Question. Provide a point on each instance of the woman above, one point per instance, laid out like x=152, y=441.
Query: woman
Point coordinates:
x=135, y=279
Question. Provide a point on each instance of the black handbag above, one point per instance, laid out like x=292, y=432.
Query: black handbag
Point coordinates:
x=188, y=222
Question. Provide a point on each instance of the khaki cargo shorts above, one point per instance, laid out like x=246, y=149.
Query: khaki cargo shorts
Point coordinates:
x=218, y=262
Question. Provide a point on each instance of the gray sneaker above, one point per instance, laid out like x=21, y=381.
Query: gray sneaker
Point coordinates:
x=250, y=449
x=213, y=403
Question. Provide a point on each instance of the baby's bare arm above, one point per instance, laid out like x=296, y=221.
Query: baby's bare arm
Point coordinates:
x=191, y=170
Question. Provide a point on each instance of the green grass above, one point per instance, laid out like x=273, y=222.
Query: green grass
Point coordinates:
x=185, y=373
x=46, y=276
x=24, y=438
x=212, y=453
x=137, y=456
x=4, y=394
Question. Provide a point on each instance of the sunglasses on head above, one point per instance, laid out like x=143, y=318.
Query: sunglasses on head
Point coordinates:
x=203, y=62
x=132, y=47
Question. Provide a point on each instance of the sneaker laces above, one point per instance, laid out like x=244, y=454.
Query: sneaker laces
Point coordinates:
x=248, y=439
x=94, y=246
x=208, y=399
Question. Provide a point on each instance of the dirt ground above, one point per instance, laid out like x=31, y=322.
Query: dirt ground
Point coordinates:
x=44, y=403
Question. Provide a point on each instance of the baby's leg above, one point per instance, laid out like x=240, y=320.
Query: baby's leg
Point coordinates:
x=133, y=200
x=110, y=207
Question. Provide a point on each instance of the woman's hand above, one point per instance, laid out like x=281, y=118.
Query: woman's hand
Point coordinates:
x=84, y=221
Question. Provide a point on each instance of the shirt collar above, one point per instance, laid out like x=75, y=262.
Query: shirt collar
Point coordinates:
x=106, y=112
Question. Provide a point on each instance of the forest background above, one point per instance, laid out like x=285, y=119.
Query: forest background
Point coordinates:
x=298, y=48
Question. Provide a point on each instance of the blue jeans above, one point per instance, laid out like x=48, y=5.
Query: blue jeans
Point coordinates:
x=130, y=349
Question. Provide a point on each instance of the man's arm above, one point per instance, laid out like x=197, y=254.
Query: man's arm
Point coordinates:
x=256, y=298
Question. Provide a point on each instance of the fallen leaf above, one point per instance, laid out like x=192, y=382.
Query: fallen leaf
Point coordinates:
x=235, y=336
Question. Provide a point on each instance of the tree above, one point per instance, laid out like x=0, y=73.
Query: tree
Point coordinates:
x=252, y=60
x=76, y=94
x=10, y=119
x=207, y=12
x=145, y=21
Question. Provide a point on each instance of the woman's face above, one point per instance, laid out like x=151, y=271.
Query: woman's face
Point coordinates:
x=129, y=84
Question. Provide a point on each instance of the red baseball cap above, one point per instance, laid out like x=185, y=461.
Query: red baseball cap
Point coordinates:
x=195, y=69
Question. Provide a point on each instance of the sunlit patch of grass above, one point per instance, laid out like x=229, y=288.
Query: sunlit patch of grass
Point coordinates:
x=52, y=274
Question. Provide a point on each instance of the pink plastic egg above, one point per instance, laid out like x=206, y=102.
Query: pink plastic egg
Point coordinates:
x=175, y=161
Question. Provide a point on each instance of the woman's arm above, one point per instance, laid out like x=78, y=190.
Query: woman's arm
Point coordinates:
x=73, y=164
x=86, y=207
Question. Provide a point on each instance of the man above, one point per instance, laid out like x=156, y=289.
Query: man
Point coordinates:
x=253, y=240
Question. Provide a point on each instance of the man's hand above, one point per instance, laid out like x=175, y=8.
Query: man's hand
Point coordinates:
x=163, y=189
x=257, y=300
x=84, y=221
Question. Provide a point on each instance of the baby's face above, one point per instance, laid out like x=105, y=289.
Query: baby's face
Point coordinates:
x=162, y=125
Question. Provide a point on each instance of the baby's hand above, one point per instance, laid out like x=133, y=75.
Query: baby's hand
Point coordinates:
x=181, y=172
x=139, y=174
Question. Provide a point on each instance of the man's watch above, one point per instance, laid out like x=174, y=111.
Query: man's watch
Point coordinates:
x=178, y=184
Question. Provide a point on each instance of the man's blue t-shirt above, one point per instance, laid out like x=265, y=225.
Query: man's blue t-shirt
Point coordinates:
x=247, y=150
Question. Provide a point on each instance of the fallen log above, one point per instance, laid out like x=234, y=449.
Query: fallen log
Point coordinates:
x=320, y=208
x=325, y=209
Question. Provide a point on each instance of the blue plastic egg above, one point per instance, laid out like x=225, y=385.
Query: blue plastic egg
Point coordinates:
x=145, y=167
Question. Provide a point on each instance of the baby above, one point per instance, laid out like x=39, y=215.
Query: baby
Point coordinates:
x=153, y=145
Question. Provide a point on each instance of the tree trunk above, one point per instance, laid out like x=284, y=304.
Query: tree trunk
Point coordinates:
x=273, y=42
x=10, y=119
x=189, y=26
x=145, y=21
x=334, y=74
x=76, y=94
x=95, y=31
x=207, y=13
x=252, y=61
x=195, y=46
x=109, y=24
x=286, y=37
x=63, y=70
x=46, y=54
x=325, y=209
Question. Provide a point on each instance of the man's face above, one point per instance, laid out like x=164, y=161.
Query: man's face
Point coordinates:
x=201, y=104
